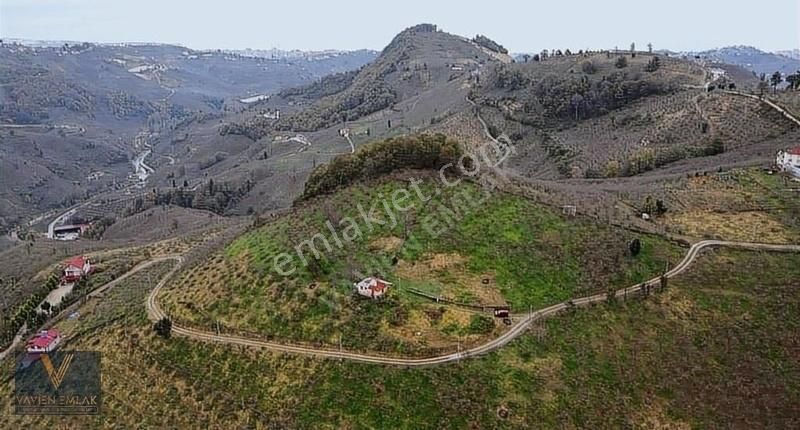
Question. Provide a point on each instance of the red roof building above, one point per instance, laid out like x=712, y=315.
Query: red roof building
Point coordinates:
x=76, y=268
x=44, y=341
x=372, y=287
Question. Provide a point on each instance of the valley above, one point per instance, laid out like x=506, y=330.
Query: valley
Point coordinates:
x=437, y=235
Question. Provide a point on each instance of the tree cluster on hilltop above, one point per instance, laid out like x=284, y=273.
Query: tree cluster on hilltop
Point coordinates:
x=558, y=97
x=326, y=86
x=409, y=152
x=489, y=44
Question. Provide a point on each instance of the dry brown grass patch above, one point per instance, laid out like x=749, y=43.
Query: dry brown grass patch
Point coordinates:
x=389, y=244
x=742, y=226
x=451, y=272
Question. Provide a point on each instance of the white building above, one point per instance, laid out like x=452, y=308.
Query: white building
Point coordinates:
x=789, y=160
x=76, y=268
x=372, y=287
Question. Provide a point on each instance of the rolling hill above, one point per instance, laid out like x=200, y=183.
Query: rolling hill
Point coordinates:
x=73, y=116
x=261, y=213
x=585, y=115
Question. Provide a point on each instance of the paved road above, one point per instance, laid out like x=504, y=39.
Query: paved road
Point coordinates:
x=154, y=312
x=60, y=220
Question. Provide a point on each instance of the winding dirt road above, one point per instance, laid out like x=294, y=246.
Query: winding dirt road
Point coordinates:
x=788, y=115
x=155, y=313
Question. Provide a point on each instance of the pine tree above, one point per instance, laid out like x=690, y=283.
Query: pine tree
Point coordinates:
x=776, y=80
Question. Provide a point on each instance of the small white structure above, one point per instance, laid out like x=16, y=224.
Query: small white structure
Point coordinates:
x=716, y=73
x=272, y=115
x=789, y=160
x=254, y=99
x=372, y=287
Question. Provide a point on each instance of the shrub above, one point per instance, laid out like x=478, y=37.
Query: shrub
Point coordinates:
x=653, y=65
x=480, y=324
x=163, y=327
x=635, y=247
x=621, y=63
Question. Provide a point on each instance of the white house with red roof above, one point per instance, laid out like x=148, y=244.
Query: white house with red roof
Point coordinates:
x=76, y=268
x=789, y=160
x=44, y=341
x=372, y=287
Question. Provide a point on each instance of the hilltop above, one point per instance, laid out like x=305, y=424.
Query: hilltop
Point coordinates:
x=604, y=115
x=417, y=60
x=569, y=115
x=623, y=120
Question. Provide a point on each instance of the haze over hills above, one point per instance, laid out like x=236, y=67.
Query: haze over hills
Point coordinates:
x=280, y=239
x=791, y=53
x=753, y=59
x=111, y=101
x=207, y=115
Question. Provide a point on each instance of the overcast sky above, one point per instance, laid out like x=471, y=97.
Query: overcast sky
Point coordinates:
x=522, y=26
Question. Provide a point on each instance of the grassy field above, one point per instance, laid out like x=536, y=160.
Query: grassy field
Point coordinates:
x=504, y=250
x=717, y=349
x=743, y=204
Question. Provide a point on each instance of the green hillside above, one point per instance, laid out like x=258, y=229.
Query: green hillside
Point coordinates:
x=718, y=348
x=466, y=242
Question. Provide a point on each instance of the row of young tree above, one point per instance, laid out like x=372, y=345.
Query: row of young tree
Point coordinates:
x=545, y=53
x=26, y=312
x=776, y=79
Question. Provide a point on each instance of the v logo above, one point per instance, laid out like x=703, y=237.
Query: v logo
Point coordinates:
x=57, y=375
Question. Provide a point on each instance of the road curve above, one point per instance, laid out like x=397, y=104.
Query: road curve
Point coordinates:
x=155, y=313
x=18, y=339
x=768, y=102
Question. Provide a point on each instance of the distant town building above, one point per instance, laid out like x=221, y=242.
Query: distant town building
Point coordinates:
x=76, y=268
x=372, y=287
x=44, y=341
x=70, y=231
x=272, y=115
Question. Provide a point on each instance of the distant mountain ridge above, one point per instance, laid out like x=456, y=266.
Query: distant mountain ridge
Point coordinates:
x=791, y=53
x=272, y=53
x=752, y=59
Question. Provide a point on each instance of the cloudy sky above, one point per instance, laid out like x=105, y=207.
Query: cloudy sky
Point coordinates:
x=522, y=26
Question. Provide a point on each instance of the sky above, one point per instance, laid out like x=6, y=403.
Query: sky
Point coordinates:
x=521, y=26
